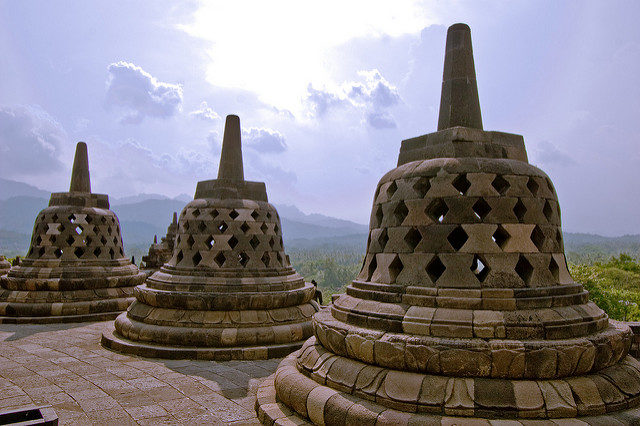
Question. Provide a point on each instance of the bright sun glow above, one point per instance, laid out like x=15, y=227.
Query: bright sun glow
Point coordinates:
x=276, y=48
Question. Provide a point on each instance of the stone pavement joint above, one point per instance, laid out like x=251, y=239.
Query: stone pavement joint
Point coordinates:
x=63, y=365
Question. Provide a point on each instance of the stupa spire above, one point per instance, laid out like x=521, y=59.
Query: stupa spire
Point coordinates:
x=231, y=157
x=80, y=181
x=175, y=218
x=459, y=102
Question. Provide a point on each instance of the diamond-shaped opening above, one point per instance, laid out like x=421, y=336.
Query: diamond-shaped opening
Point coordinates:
x=281, y=243
x=264, y=228
x=479, y=268
x=272, y=243
x=103, y=220
x=372, y=267
x=190, y=241
x=268, y=215
x=383, y=238
x=88, y=219
x=53, y=239
x=186, y=225
x=121, y=252
x=54, y=218
x=109, y=230
x=233, y=242
x=554, y=269
x=95, y=230
x=41, y=251
x=180, y=256
x=266, y=259
x=209, y=242
x=117, y=230
x=533, y=186
x=233, y=214
x=255, y=215
x=400, y=212
x=500, y=184
x=97, y=252
x=547, y=210
x=115, y=240
x=524, y=269
x=243, y=258
x=254, y=242
x=219, y=259
x=112, y=253
x=391, y=189
x=276, y=229
x=38, y=240
x=196, y=212
x=559, y=238
x=88, y=240
x=422, y=186
x=379, y=215
x=279, y=257
x=214, y=213
x=520, y=210
x=550, y=185
x=79, y=251
x=435, y=269
x=437, y=210
x=244, y=227
x=461, y=183
x=222, y=227
x=196, y=258
x=457, y=238
x=537, y=236
x=79, y=229
x=30, y=252
x=481, y=208
x=103, y=240
x=413, y=238
x=72, y=218
x=58, y=253
x=202, y=226
x=69, y=240
x=500, y=236
x=395, y=268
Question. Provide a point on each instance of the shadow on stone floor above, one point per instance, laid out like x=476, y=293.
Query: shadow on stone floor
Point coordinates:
x=20, y=331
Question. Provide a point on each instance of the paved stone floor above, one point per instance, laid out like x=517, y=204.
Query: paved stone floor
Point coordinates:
x=64, y=366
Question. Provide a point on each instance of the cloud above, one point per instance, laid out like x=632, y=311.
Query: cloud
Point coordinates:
x=548, y=154
x=264, y=140
x=373, y=97
x=30, y=141
x=205, y=113
x=132, y=88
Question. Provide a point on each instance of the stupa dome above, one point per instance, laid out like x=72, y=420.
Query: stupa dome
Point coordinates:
x=228, y=291
x=76, y=269
x=464, y=308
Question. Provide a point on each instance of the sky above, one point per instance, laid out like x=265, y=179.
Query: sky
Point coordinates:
x=325, y=90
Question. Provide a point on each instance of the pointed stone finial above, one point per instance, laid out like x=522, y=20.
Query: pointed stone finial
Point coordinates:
x=459, y=102
x=231, y=157
x=175, y=218
x=80, y=181
x=155, y=239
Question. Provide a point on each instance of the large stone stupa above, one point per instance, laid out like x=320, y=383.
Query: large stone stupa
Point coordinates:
x=464, y=311
x=229, y=291
x=75, y=269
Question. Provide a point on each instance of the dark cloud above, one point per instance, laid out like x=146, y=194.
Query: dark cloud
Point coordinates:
x=30, y=141
x=134, y=89
x=264, y=140
x=373, y=97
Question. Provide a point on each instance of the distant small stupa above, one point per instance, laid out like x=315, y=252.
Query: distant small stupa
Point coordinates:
x=160, y=252
x=228, y=291
x=464, y=312
x=76, y=269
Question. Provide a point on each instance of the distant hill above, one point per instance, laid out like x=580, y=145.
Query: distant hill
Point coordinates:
x=11, y=188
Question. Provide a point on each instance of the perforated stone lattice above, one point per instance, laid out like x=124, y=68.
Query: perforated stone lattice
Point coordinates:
x=66, y=234
x=510, y=223
x=216, y=237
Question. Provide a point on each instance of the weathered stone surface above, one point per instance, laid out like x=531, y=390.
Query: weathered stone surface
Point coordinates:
x=228, y=290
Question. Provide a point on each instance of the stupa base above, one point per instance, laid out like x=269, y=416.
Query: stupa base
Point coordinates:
x=115, y=342
x=99, y=316
x=290, y=397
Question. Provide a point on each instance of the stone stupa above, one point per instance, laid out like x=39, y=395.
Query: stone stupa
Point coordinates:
x=464, y=311
x=160, y=252
x=75, y=269
x=229, y=291
x=4, y=265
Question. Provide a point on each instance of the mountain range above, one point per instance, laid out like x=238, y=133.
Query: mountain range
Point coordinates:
x=144, y=215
